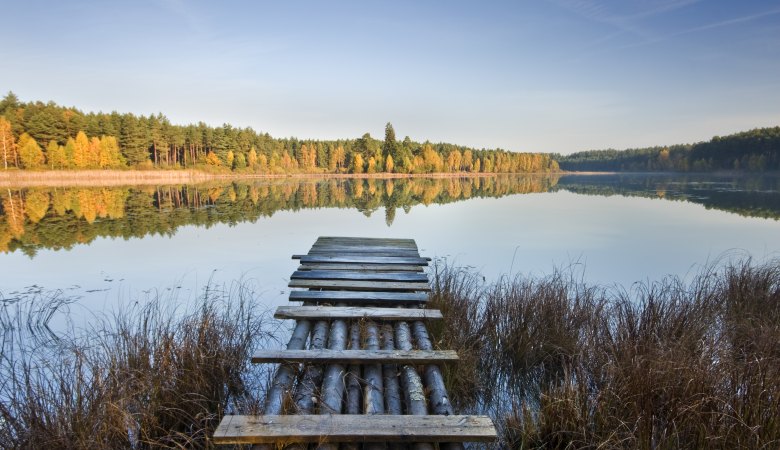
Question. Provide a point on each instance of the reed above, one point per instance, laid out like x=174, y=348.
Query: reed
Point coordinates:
x=668, y=364
x=152, y=376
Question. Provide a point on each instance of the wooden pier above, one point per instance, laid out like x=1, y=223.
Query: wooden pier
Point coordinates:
x=360, y=367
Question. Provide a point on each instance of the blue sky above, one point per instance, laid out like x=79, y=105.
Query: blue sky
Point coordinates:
x=553, y=76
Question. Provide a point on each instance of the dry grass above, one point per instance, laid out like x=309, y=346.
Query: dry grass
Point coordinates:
x=154, y=376
x=665, y=365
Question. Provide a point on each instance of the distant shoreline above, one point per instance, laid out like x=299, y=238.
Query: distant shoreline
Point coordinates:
x=55, y=178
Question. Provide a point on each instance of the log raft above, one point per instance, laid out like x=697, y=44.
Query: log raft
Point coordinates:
x=360, y=369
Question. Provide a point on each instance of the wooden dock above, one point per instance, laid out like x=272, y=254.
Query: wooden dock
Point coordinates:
x=360, y=367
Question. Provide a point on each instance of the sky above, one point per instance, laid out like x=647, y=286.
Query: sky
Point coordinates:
x=542, y=75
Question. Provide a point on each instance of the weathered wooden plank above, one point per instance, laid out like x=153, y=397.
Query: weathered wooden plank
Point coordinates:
x=355, y=240
x=353, y=285
x=334, y=356
x=364, y=259
x=364, y=276
x=352, y=312
x=379, y=254
x=358, y=297
x=353, y=428
x=362, y=267
x=361, y=248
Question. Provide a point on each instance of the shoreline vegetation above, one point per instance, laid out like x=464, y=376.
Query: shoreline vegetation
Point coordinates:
x=128, y=177
x=556, y=362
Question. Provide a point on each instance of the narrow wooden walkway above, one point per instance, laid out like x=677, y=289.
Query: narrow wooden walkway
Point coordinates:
x=360, y=367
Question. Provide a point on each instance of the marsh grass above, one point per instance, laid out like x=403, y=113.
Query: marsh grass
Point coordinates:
x=669, y=364
x=152, y=376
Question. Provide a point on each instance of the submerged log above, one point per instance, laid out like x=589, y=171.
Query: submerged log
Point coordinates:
x=333, y=383
x=312, y=376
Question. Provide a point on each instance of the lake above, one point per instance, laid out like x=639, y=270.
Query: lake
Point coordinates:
x=108, y=245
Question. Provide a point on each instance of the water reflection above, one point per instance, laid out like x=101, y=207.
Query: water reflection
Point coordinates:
x=59, y=218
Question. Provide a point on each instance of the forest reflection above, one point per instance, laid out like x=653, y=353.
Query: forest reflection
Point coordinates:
x=59, y=218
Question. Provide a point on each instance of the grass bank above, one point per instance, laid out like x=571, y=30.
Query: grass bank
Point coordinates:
x=153, y=376
x=664, y=365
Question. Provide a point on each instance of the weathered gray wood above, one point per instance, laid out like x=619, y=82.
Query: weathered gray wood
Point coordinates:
x=363, y=276
x=420, y=261
x=362, y=247
x=352, y=312
x=286, y=373
x=335, y=356
x=352, y=297
x=438, y=398
x=353, y=373
x=348, y=254
x=333, y=383
x=361, y=285
x=410, y=380
x=237, y=429
x=364, y=240
x=390, y=374
x=312, y=376
x=363, y=267
x=372, y=395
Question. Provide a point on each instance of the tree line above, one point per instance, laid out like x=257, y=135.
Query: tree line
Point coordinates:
x=756, y=150
x=37, y=135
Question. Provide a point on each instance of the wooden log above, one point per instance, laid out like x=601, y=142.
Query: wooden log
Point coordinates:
x=353, y=373
x=331, y=356
x=285, y=376
x=333, y=383
x=364, y=240
x=236, y=429
x=359, y=276
x=351, y=285
x=360, y=297
x=373, y=401
x=362, y=267
x=434, y=382
x=319, y=259
x=390, y=380
x=306, y=393
x=367, y=247
x=410, y=381
x=354, y=312
x=286, y=373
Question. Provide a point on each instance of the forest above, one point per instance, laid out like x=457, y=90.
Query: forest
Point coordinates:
x=47, y=136
x=756, y=150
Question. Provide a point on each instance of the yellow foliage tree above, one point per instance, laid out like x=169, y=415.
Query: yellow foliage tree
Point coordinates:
x=7, y=144
x=389, y=164
x=357, y=163
x=30, y=153
x=81, y=151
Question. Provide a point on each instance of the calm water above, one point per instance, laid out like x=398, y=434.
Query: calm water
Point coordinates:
x=111, y=245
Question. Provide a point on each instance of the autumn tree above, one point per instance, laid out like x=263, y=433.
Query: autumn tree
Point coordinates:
x=81, y=151
x=30, y=153
x=7, y=143
x=357, y=163
x=55, y=155
x=389, y=165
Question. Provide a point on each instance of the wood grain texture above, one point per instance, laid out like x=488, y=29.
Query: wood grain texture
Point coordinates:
x=352, y=312
x=358, y=276
x=354, y=285
x=352, y=428
x=405, y=260
x=357, y=297
x=362, y=267
x=332, y=356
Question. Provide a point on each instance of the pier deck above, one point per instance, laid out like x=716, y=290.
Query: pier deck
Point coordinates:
x=360, y=366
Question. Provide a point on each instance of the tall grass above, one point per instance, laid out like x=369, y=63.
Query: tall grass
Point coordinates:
x=670, y=364
x=153, y=376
